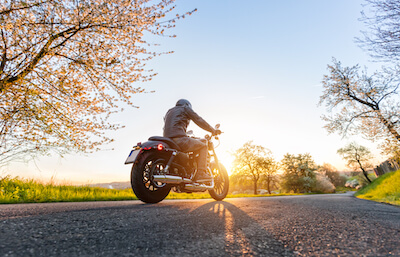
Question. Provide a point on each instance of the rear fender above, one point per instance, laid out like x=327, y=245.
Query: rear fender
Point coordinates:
x=139, y=150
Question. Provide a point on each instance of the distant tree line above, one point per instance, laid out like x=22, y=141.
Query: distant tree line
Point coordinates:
x=255, y=170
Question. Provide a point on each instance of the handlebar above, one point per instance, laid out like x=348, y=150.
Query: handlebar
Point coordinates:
x=208, y=137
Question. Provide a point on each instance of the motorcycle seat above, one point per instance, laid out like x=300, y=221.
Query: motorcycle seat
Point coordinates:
x=166, y=140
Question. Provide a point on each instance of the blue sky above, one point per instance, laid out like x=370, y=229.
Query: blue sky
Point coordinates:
x=254, y=66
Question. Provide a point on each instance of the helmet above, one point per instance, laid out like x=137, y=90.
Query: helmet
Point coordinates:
x=183, y=102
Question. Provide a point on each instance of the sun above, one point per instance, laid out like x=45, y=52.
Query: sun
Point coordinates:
x=227, y=160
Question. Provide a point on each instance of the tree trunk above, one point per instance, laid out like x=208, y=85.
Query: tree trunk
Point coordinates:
x=366, y=176
x=364, y=172
x=389, y=125
x=255, y=186
x=268, y=185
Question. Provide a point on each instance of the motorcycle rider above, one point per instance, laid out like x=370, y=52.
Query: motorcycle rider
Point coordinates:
x=176, y=122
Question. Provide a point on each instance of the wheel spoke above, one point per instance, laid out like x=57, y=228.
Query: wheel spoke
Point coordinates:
x=218, y=189
x=153, y=168
x=219, y=182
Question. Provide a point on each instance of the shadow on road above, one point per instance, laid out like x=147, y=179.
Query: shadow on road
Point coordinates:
x=171, y=228
x=243, y=235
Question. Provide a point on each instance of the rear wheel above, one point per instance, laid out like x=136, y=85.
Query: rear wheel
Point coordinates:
x=143, y=185
x=221, y=182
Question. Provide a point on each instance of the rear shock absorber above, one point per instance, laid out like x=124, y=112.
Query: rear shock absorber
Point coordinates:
x=174, y=153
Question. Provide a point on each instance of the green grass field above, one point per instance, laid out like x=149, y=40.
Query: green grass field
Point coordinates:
x=17, y=190
x=385, y=188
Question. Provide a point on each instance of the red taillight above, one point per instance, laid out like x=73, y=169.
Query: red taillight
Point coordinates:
x=160, y=147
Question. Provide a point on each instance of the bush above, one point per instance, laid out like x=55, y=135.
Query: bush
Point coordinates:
x=298, y=173
x=323, y=184
x=337, y=179
x=352, y=183
x=297, y=183
x=358, y=180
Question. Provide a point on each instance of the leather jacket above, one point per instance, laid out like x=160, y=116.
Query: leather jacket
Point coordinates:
x=177, y=120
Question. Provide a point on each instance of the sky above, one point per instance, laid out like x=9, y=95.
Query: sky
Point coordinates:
x=253, y=66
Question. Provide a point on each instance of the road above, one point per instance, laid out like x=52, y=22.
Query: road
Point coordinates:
x=314, y=225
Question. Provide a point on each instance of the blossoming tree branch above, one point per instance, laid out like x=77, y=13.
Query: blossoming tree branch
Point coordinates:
x=66, y=64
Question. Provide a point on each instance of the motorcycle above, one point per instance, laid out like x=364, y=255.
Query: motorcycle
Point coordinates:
x=159, y=167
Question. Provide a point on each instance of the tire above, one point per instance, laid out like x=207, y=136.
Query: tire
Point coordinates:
x=221, y=182
x=143, y=186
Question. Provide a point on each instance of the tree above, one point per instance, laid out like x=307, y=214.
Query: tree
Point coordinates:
x=238, y=182
x=270, y=167
x=333, y=175
x=253, y=161
x=366, y=104
x=298, y=173
x=357, y=157
x=65, y=65
x=382, y=40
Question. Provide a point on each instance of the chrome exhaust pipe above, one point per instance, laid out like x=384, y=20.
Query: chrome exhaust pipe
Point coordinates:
x=169, y=179
x=198, y=187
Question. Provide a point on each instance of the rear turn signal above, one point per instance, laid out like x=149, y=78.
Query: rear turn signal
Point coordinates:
x=160, y=147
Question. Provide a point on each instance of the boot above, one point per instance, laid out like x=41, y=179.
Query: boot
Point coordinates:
x=202, y=176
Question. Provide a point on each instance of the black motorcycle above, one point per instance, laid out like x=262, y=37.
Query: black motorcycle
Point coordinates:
x=159, y=166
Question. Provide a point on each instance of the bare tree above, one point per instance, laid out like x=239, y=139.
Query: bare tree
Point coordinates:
x=65, y=65
x=357, y=157
x=360, y=103
x=382, y=40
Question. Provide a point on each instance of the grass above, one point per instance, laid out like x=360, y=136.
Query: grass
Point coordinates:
x=385, y=189
x=18, y=190
x=340, y=190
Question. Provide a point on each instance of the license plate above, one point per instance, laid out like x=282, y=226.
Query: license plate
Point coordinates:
x=132, y=156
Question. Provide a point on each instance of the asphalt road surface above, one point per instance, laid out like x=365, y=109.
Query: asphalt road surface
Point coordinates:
x=316, y=225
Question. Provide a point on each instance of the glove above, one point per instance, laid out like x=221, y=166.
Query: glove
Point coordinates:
x=217, y=132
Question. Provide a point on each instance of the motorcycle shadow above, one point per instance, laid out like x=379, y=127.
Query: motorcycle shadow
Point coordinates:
x=187, y=228
x=242, y=235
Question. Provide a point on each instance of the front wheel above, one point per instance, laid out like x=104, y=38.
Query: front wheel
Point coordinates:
x=143, y=185
x=221, y=182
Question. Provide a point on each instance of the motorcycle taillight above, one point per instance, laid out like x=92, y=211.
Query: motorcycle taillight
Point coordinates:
x=160, y=147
